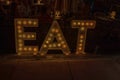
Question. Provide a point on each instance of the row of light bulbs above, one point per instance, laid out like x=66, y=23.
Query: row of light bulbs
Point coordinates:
x=26, y=22
x=21, y=36
x=28, y=49
x=82, y=23
x=80, y=44
x=26, y=36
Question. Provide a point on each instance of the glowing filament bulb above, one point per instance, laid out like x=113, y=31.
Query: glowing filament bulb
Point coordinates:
x=33, y=36
x=82, y=23
x=19, y=22
x=28, y=36
x=64, y=46
x=24, y=36
x=62, y=42
x=44, y=46
x=67, y=54
x=56, y=30
x=53, y=30
x=80, y=44
x=54, y=45
x=30, y=49
x=25, y=49
x=80, y=48
x=20, y=49
x=74, y=23
x=59, y=45
x=50, y=46
x=8, y=2
x=47, y=42
x=34, y=22
x=42, y=54
x=81, y=41
x=81, y=36
x=35, y=49
x=19, y=31
x=51, y=35
x=91, y=24
x=59, y=35
x=30, y=22
x=19, y=40
x=49, y=39
x=82, y=28
x=24, y=22
x=20, y=45
x=19, y=36
x=19, y=27
x=60, y=38
x=78, y=23
x=87, y=24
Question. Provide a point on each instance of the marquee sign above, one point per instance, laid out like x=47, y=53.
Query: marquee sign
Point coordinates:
x=82, y=25
x=20, y=36
x=54, y=40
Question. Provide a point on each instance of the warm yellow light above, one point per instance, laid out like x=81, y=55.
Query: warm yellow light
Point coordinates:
x=20, y=49
x=8, y=2
x=62, y=42
x=28, y=36
x=53, y=30
x=25, y=49
x=80, y=48
x=35, y=49
x=60, y=38
x=67, y=54
x=74, y=23
x=20, y=40
x=78, y=23
x=30, y=49
x=49, y=39
x=19, y=22
x=19, y=31
x=34, y=53
x=19, y=27
x=64, y=46
x=32, y=36
x=44, y=46
x=77, y=52
x=82, y=23
x=81, y=41
x=20, y=36
x=58, y=34
x=87, y=24
x=56, y=30
x=24, y=36
x=42, y=54
x=91, y=24
x=51, y=35
x=20, y=45
x=81, y=36
x=59, y=45
x=29, y=22
x=34, y=22
x=80, y=45
x=19, y=54
x=82, y=28
x=54, y=45
x=47, y=42
x=24, y=22
x=50, y=45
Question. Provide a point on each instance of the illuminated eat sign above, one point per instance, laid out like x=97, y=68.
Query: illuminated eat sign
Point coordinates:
x=54, y=33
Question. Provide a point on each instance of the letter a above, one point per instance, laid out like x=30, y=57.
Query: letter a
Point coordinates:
x=54, y=40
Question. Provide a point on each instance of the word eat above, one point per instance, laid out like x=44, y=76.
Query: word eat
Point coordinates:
x=54, y=33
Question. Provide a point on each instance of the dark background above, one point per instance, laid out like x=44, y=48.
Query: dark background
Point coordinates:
x=104, y=39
